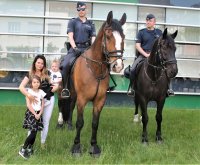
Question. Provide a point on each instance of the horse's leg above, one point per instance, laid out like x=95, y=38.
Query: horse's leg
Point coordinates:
x=95, y=150
x=76, y=148
x=60, y=113
x=160, y=105
x=136, y=117
x=71, y=102
x=145, y=119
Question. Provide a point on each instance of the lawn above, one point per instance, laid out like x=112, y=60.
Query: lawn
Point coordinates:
x=118, y=137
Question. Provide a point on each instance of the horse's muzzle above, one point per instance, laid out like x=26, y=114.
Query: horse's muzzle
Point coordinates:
x=172, y=71
x=117, y=66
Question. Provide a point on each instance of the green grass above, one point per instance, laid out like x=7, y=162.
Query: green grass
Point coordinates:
x=118, y=137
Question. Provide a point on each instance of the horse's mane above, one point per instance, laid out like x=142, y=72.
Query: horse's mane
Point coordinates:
x=168, y=41
x=155, y=45
x=115, y=25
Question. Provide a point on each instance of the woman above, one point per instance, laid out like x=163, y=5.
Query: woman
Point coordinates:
x=39, y=68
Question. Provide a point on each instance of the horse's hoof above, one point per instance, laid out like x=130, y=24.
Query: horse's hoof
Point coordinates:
x=136, y=118
x=76, y=150
x=95, y=151
x=145, y=142
x=58, y=126
x=159, y=140
x=69, y=127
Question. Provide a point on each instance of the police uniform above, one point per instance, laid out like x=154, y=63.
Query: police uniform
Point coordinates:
x=83, y=32
x=146, y=38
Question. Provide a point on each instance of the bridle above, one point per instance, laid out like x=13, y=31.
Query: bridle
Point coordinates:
x=109, y=54
x=162, y=62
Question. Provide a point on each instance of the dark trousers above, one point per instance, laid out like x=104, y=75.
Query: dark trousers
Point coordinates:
x=139, y=59
x=66, y=65
x=30, y=140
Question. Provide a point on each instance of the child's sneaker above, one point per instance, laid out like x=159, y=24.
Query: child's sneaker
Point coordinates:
x=23, y=153
x=30, y=150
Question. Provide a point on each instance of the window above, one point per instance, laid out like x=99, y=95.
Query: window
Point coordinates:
x=158, y=12
x=13, y=27
x=188, y=34
x=24, y=7
x=101, y=11
x=56, y=26
x=64, y=9
x=181, y=16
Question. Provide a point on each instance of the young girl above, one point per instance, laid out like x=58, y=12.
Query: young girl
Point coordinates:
x=33, y=119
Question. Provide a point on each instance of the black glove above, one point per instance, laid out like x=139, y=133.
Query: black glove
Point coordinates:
x=77, y=51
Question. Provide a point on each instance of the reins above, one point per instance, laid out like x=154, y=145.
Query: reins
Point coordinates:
x=162, y=66
x=107, y=54
x=152, y=81
x=100, y=63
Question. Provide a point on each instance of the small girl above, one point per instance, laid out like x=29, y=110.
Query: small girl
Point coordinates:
x=33, y=118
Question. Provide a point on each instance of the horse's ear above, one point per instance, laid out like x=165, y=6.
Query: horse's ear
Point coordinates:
x=109, y=18
x=123, y=19
x=174, y=34
x=165, y=33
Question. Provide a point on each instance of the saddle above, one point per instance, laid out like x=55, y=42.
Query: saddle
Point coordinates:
x=127, y=70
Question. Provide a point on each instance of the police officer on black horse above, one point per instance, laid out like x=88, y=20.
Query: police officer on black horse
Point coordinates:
x=81, y=33
x=144, y=42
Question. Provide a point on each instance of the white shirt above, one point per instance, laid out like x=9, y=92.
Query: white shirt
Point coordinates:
x=38, y=96
x=55, y=76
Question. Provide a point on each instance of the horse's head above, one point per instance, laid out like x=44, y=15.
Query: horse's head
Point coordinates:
x=113, y=42
x=166, y=52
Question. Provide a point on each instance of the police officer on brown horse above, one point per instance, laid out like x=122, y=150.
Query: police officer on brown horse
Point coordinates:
x=81, y=33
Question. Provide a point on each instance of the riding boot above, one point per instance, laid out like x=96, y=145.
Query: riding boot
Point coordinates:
x=131, y=85
x=65, y=91
x=170, y=92
x=65, y=78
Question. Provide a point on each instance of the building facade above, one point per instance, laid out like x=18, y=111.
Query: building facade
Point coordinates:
x=31, y=27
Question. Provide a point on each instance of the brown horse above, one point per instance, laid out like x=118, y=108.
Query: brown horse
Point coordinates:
x=90, y=77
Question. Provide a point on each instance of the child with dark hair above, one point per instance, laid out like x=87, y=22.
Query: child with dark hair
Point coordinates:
x=33, y=116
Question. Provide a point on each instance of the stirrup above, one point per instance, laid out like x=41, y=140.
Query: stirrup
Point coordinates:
x=65, y=93
x=170, y=92
x=131, y=93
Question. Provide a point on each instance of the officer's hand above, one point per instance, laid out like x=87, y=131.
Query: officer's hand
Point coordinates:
x=77, y=51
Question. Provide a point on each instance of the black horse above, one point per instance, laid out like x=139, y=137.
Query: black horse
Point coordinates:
x=153, y=78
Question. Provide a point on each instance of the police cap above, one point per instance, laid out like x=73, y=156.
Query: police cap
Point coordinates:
x=150, y=16
x=80, y=4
